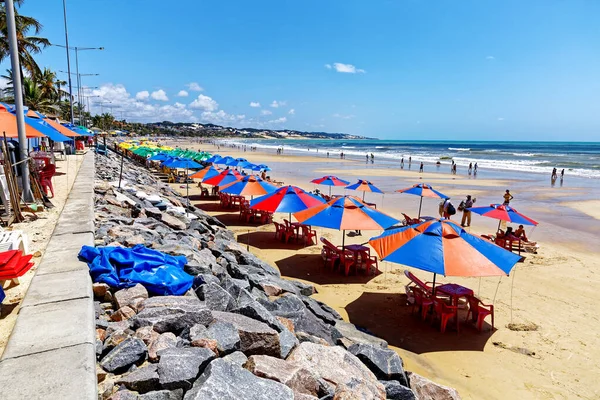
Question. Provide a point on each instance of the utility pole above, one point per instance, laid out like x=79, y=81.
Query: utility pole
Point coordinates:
x=18, y=91
x=68, y=61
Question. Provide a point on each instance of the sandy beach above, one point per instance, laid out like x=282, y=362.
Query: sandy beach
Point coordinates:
x=549, y=351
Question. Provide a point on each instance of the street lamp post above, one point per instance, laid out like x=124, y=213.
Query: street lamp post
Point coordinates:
x=68, y=61
x=18, y=91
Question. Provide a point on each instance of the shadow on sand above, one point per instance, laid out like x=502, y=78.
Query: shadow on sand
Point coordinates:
x=387, y=316
x=265, y=239
x=310, y=267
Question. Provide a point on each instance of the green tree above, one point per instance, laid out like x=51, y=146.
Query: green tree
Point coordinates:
x=27, y=45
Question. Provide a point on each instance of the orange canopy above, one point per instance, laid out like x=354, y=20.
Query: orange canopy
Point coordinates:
x=62, y=129
x=8, y=126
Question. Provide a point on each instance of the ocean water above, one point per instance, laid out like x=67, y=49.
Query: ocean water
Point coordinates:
x=577, y=158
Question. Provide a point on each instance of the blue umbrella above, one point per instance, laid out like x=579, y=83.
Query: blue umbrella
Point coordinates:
x=45, y=128
x=78, y=130
x=215, y=158
x=225, y=160
x=261, y=167
x=423, y=190
x=236, y=162
x=183, y=163
x=364, y=186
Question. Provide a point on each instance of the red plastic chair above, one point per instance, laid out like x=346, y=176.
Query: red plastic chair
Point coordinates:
x=409, y=220
x=308, y=234
x=479, y=311
x=347, y=261
x=445, y=312
x=422, y=302
x=46, y=175
x=330, y=257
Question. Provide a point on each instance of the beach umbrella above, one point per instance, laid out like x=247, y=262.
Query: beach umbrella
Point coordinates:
x=343, y=213
x=287, y=199
x=8, y=126
x=330, y=180
x=249, y=186
x=59, y=127
x=261, y=167
x=224, y=177
x=364, y=186
x=503, y=213
x=215, y=158
x=225, y=160
x=207, y=172
x=236, y=162
x=423, y=190
x=160, y=157
x=442, y=247
x=187, y=164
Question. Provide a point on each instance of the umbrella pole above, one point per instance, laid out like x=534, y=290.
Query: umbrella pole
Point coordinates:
x=343, y=240
x=364, y=196
x=290, y=217
x=187, y=189
x=420, y=204
x=329, y=191
x=433, y=286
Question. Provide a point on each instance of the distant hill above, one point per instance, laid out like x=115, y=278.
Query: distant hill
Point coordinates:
x=212, y=130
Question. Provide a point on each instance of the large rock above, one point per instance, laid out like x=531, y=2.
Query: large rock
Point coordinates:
x=225, y=380
x=386, y=364
x=339, y=367
x=290, y=374
x=395, y=391
x=124, y=395
x=287, y=341
x=173, y=222
x=292, y=307
x=129, y=296
x=258, y=312
x=236, y=357
x=172, y=313
x=255, y=337
x=147, y=334
x=215, y=297
x=425, y=389
x=240, y=295
x=346, y=330
x=141, y=380
x=322, y=310
x=163, y=395
x=178, y=368
x=226, y=335
x=202, y=262
x=126, y=353
x=166, y=340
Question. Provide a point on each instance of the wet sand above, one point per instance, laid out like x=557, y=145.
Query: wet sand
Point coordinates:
x=552, y=292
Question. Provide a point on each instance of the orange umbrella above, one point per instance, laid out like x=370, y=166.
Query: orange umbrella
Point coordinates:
x=8, y=126
x=211, y=171
x=248, y=186
x=62, y=129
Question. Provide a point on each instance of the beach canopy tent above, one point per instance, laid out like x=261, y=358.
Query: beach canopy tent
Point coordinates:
x=61, y=128
x=79, y=130
x=249, y=186
x=442, y=247
x=503, y=213
x=423, y=190
x=364, y=186
x=343, y=213
x=330, y=180
x=287, y=199
x=37, y=121
x=207, y=172
x=8, y=126
x=224, y=177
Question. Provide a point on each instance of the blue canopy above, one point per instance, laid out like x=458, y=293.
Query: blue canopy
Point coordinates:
x=225, y=160
x=159, y=157
x=261, y=167
x=78, y=130
x=236, y=162
x=47, y=130
x=215, y=158
x=182, y=163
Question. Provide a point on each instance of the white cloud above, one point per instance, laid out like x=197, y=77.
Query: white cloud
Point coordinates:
x=292, y=111
x=183, y=93
x=278, y=120
x=205, y=103
x=143, y=95
x=349, y=116
x=346, y=68
x=194, y=87
x=500, y=118
x=221, y=117
x=266, y=112
x=255, y=104
x=115, y=97
x=159, y=95
x=277, y=104
x=490, y=58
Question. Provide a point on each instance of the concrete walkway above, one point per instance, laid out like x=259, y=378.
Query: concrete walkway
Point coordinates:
x=51, y=351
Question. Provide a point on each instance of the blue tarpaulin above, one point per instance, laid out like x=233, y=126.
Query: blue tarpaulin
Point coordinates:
x=159, y=273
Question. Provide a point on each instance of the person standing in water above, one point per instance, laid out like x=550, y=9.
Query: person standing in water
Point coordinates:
x=402, y=163
x=470, y=168
x=475, y=168
x=562, y=174
x=421, y=167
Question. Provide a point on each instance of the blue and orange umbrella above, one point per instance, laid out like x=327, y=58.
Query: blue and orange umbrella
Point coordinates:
x=330, y=180
x=443, y=247
x=343, y=213
x=364, y=186
x=288, y=199
x=503, y=213
x=207, y=172
x=224, y=177
x=249, y=186
x=423, y=190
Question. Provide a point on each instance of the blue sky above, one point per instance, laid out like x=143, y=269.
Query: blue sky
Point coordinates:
x=402, y=69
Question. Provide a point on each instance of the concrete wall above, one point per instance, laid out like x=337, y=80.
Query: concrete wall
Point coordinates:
x=51, y=351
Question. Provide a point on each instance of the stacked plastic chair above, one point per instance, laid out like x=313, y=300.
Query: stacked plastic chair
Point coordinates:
x=14, y=264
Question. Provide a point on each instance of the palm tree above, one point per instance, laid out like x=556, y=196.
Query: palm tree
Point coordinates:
x=47, y=84
x=27, y=45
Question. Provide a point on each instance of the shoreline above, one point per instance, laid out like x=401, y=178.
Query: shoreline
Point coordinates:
x=536, y=289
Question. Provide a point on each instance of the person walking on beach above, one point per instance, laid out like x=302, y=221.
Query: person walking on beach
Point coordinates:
x=367, y=158
x=449, y=209
x=553, y=176
x=475, y=169
x=402, y=163
x=507, y=197
x=372, y=158
x=454, y=169
x=421, y=167
x=470, y=168
x=562, y=174
x=466, y=217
